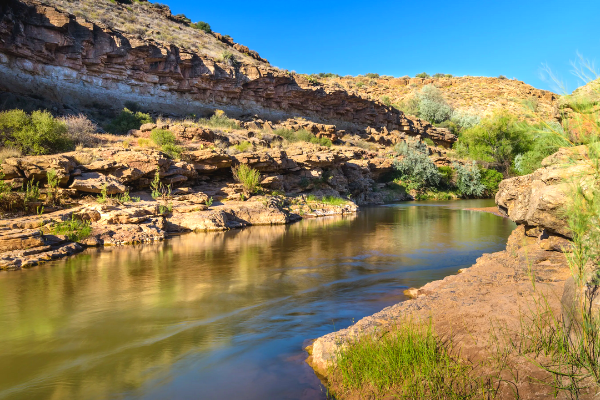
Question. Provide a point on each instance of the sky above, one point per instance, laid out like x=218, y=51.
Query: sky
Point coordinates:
x=479, y=38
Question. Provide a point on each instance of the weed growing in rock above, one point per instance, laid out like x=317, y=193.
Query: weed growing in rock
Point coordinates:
x=248, y=177
x=103, y=195
x=209, y=202
x=75, y=229
x=52, y=176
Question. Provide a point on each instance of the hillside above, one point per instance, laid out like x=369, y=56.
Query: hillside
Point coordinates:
x=474, y=95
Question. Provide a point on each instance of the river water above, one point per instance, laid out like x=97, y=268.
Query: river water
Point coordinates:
x=223, y=315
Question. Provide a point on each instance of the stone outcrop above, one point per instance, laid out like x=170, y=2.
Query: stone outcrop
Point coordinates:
x=538, y=200
x=74, y=63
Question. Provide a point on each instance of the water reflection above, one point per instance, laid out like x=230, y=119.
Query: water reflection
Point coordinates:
x=222, y=315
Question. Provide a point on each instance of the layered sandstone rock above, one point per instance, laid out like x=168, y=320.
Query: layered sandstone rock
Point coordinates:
x=75, y=63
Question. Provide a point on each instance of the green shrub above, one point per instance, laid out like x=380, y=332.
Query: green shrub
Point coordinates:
x=496, y=140
x=161, y=137
x=74, y=229
x=248, y=177
x=35, y=133
x=423, y=75
x=333, y=200
x=468, y=180
x=201, y=25
x=464, y=119
x=410, y=106
x=243, y=147
x=450, y=125
x=372, y=75
x=328, y=75
x=172, y=150
x=128, y=120
x=219, y=120
x=415, y=168
x=428, y=142
x=446, y=175
x=491, y=179
x=302, y=135
x=386, y=100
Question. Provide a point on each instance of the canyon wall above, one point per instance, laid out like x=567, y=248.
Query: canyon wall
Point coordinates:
x=49, y=54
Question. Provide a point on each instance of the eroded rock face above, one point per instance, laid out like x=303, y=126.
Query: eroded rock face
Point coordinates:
x=54, y=55
x=538, y=199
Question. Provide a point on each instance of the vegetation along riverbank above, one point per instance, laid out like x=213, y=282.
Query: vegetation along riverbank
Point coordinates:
x=121, y=123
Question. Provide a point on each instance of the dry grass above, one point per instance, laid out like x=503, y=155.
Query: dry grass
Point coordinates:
x=8, y=152
x=142, y=19
x=81, y=130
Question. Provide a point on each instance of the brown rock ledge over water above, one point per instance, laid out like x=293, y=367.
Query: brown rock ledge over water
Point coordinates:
x=27, y=241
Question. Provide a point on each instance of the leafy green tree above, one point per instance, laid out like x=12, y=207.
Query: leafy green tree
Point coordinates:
x=38, y=133
x=495, y=141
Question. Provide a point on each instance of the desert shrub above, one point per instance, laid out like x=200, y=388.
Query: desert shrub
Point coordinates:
x=428, y=142
x=415, y=168
x=162, y=137
x=372, y=75
x=313, y=79
x=450, y=125
x=333, y=200
x=468, y=180
x=248, y=177
x=201, y=25
x=228, y=58
x=74, y=229
x=302, y=135
x=328, y=75
x=410, y=106
x=172, y=150
x=464, y=119
x=423, y=75
x=496, y=140
x=219, y=120
x=432, y=105
x=128, y=120
x=35, y=133
x=501, y=77
x=386, y=100
x=491, y=179
x=81, y=130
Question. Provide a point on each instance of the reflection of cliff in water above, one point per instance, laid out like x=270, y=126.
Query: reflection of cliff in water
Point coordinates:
x=132, y=319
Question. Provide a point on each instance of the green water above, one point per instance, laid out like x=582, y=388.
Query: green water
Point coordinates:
x=222, y=315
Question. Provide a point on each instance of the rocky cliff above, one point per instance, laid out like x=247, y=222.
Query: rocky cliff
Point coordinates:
x=77, y=63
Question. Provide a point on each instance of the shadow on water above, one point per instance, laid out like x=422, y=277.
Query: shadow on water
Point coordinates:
x=223, y=315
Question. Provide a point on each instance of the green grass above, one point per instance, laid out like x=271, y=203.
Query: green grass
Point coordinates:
x=302, y=135
x=247, y=176
x=407, y=362
x=74, y=229
x=331, y=200
x=219, y=120
x=243, y=147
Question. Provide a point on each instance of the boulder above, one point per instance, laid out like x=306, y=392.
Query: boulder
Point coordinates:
x=94, y=182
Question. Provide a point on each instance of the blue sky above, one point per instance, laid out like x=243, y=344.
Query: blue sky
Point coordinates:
x=479, y=38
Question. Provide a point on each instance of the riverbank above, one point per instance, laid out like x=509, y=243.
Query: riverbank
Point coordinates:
x=488, y=313
x=31, y=240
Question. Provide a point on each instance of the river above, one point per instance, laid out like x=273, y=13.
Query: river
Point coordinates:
x=223, y=315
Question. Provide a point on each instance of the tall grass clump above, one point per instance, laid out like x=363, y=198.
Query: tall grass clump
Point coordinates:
x=75, y=229
x=248, y=177
x=219, y=120
x=408, y=362
x=167, y=142
x=36, y=133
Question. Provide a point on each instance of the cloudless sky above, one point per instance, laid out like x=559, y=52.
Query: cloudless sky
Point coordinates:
x=479, y=38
